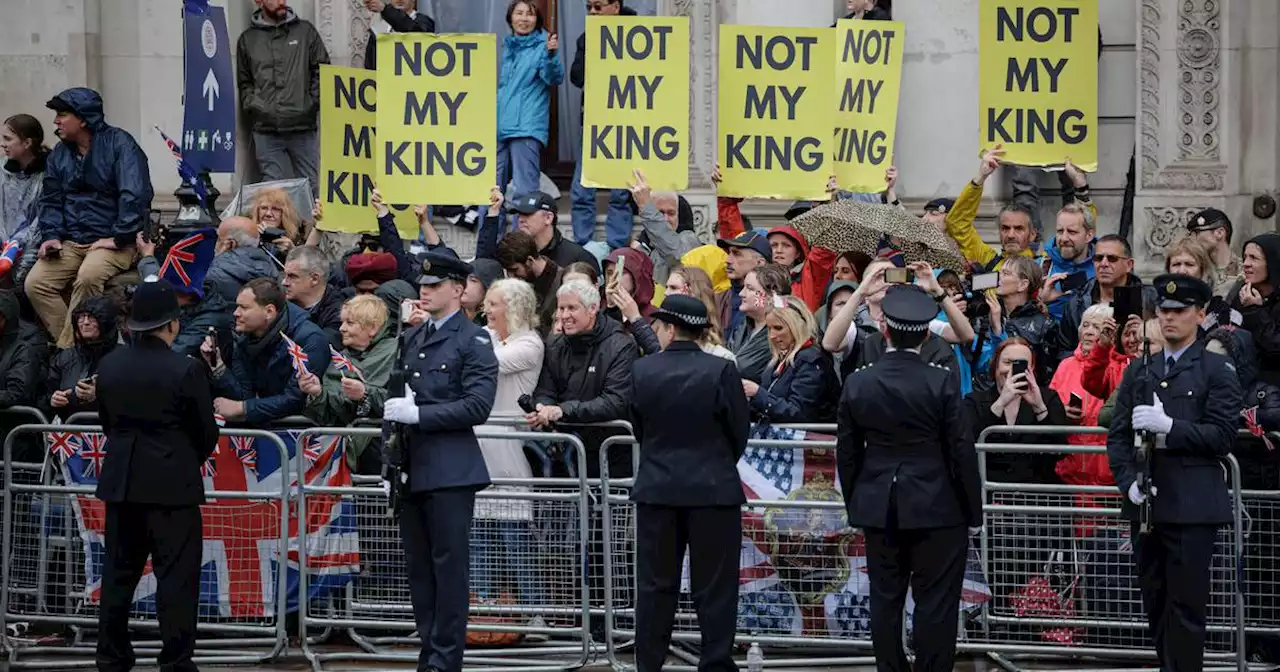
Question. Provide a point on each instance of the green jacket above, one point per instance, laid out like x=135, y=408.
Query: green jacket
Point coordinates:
x=332, y=408
x=278, y=74
x=1108, y=409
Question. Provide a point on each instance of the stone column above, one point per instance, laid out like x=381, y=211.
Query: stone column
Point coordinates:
x=1206, y=117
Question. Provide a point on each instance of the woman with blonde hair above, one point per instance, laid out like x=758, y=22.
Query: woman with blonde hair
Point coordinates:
x=693, y=281
x=272, y=209
x=799, y=384
x=1190, y=257
x=503, y=538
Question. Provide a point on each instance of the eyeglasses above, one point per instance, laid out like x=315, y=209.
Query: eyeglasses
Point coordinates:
x=1109, y=258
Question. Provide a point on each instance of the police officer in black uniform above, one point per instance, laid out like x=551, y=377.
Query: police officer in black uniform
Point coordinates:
x=451, y=378
x=1193, y=416
x=909, y=474
x=157, y=415
x=691, y=421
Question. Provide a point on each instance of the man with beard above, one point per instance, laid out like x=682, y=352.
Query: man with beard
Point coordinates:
x=278, y=63
x=1070, y=252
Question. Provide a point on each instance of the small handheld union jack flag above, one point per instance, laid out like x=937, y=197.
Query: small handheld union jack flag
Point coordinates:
x=9, y=255
x=342, y=363
x=185, y=171
x=63, y=444
x=248, y=455
x=296, y=353
x=93, y=450
x=1250, y=416
x=210, y=467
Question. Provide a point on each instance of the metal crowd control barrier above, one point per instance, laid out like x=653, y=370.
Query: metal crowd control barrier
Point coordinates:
x=1058, y=561
x=57, y=591
x=805, y=535
x=531, y=530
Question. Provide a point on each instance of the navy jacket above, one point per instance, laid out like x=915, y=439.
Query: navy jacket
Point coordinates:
x=454, y=377
x=1202, y=395
x=105, y=194
x=263, y=377
x=198, y=318
x=805, y=391
x=691, y=422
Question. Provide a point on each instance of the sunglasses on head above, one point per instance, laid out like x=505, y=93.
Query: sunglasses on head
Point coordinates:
x=1109, y=258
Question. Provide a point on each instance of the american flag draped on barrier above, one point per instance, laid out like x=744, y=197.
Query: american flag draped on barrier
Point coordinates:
x=804, y=570
x=239, y=568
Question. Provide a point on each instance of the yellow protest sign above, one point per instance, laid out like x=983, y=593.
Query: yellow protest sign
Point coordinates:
x=777, y=110
x=437, y=117
x=1038, y=62
x=868, y=80
x=348, y=107
x=637, y=102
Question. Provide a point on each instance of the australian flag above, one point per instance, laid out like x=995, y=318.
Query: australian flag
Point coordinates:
x=185, y=171
x=188, y=261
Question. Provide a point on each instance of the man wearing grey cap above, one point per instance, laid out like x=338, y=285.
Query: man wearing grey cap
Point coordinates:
x=451, y=379
x=1213, y=229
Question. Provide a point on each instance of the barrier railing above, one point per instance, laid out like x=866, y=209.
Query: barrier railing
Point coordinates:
x=70, y=520
x=530, y=530
x=1058, y=560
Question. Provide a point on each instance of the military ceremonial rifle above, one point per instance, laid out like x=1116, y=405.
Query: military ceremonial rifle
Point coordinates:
x=1144, y=441
x=394, y=441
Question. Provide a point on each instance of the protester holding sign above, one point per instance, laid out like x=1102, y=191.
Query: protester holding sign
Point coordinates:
x=869, y=76
x=530, y=69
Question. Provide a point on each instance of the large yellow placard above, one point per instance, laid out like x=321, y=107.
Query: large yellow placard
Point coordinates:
x=636, y=113
x=1039, y=80
x=777, y=111
x=348, y=108
x=437, y=117
x=868, y=81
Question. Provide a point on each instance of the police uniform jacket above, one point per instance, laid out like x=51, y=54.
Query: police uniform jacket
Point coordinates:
x=157, y=415
x=902, y=437
x=454, y=377
x=1202, y=395
x=691, y=421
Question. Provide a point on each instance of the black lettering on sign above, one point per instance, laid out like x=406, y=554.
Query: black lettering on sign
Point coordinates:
x=779, y=52
x=417, y=110
x=623, y=96
x=347, y=94
x=861, y=146
x=1028, y=79
x=632, y=143
x=860, y=95
x=867, y=46
x=634, y=42
x=1031, y=125
x=437, y=58
x=765, y=105
x=1040, y=23
x=357, y=143
x=348, y=188
x=422, y=157
x=767, y=152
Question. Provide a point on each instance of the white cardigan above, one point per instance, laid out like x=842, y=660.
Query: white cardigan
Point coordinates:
x=519, y=365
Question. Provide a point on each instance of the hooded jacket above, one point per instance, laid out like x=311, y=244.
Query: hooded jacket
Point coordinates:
x=588, y=376
x=665, y=246
x=21, y=358
x=19, y=192
x=711, y=259
x=230, y=270
x=810, y=276
x=1103, y=369
x=105, y=194
x=823, y=316
x=1263, y=322
x=640, y=268
x=261, y=374
x=528, y=74
x=212, y=312
x=1058, y=264
x=80, y=361
x=278, y=74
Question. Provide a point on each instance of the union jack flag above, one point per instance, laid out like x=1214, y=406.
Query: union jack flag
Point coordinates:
x=1250, y=416
x=342, y=363
x=63, y=444
x=9, y=255
x=296, y=353
x=248, y=456
x=93, y=451
x=210, y=467
x=188, y=261
x=185, y=171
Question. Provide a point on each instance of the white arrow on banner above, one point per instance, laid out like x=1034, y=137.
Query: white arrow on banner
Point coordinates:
x=210, y=88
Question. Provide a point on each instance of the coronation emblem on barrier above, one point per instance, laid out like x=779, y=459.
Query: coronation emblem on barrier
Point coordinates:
x=1171, y=288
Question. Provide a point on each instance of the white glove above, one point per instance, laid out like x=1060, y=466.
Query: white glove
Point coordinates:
x=973, y=531
x=1152, y=418
x=1135, y=495
x=403, y=410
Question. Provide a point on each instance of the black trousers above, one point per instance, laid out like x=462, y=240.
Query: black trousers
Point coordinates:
x=172, y=537
x=1173, y=573
x=436, y=528
x=931, y=562
x=713, y=537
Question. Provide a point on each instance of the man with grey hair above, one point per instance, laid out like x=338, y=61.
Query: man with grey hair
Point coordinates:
x=306, y=285
x=668, y=232
x=239, y=259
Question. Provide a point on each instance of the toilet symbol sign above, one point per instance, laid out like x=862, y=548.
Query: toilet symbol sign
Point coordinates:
x=209, y=109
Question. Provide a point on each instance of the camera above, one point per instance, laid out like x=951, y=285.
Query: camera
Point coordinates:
x=270, y=235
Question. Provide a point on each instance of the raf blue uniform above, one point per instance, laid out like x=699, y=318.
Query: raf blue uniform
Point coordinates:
x=451, y=368
x=1201, y=392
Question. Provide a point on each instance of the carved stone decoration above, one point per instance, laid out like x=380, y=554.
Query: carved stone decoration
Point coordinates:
x=1166, y=226
x=324, y=22
x=1195, y=165
x=704, y=29
x=359, y=36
